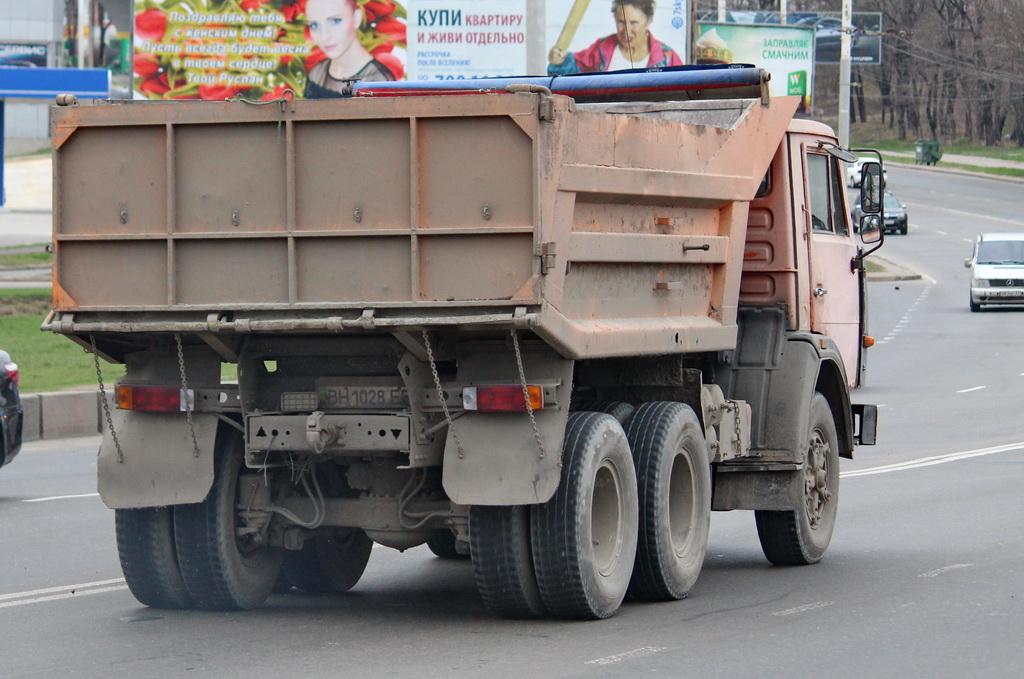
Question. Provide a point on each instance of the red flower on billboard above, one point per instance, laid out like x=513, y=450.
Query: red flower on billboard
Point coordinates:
x=250, y=5
x=291, y=11
x=314, y=58
x=220, y=91
x=392, y=63
x=394, y=28
x=375, y=9
x=146, y=66
x=151, y=24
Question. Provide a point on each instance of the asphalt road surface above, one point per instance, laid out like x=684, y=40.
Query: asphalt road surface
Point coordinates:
x=923, y=577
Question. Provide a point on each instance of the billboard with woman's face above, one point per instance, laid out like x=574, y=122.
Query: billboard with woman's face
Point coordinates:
x=259, y=49
x=262, y=49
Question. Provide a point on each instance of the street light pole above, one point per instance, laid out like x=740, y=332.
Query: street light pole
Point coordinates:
x=844, y=74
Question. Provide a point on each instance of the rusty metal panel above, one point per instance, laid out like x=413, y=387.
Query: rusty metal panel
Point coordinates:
x=102, y=188
x=476, y=267
x=229, y=178
x=113, y=273
x=360, y=269
x=352, y=174
x=219, y=272
x=474, y=173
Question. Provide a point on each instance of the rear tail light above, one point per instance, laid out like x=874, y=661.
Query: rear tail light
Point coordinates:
x=12, y=372
x=502, y=398
x=155, y=399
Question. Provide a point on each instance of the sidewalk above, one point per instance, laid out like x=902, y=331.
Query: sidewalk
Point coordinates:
x=976, y=161
x=26, y=214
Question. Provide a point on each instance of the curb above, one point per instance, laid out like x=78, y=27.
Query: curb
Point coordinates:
x=61, y=414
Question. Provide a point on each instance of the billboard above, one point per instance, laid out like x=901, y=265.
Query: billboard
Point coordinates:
x=865, y=39
x=787, y=52
x=22, y=55
x=589, y=34
x=259, y=49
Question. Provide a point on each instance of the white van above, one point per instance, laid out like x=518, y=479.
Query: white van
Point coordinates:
x=997, y=269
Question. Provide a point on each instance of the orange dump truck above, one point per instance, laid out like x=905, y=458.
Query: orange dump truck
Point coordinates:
x=547, y=333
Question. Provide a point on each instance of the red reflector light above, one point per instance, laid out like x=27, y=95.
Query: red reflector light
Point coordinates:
x=151, y=399
x=503, y=398
x=12, y=372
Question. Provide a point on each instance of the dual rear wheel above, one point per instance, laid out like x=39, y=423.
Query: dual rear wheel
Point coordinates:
x=630, y=516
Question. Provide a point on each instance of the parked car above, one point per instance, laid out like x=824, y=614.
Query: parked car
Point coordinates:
x=853, y=173
x=12, y=413
x=997, y=269
x=895, y=215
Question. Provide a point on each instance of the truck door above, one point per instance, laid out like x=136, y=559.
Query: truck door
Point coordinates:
x=835, y=289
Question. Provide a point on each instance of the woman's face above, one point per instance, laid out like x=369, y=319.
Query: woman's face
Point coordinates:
x=631, y=25
x=332, y=25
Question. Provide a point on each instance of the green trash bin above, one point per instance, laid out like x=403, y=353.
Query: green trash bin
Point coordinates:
x=927, y=152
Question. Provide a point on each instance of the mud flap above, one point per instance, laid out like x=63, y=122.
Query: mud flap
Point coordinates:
x=158, y=465
x=496, y=460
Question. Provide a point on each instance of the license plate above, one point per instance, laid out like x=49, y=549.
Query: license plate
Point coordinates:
x=361, y=395
x=1008, y=293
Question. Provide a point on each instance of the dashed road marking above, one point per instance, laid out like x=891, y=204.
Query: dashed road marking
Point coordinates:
x=945, y=569
x=965, y=391
x=905, y=320
x=628, y=655
x=803, y=609
x=61, y=497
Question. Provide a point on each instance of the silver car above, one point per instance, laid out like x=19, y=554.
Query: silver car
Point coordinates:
x=997, y=269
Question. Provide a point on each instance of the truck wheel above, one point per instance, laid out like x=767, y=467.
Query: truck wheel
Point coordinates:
x=801, y=536
x=674, y=480
x=617, y=409
x=149, y=560
x=222, y=570
x=584, y=538
x=503, y=562
x=329, y=564
x=443, y=546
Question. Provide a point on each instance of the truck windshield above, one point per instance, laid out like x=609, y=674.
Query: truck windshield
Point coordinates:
x=1001, y=252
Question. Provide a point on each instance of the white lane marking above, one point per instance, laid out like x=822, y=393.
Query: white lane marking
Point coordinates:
x=968, y=240
x=61, y=497
x=902, y=324
x=805, y=608
x=628, y=655
x=64, y=592
x=930, y=461
x=941, y=233
x=974, y=215
x=964, y=391
x=946, y=569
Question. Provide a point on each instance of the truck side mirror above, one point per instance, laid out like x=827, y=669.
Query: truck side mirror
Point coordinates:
x=870, y=229
x=871, y=188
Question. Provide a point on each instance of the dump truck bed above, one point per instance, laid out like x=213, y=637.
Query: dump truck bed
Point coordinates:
x=607, y=229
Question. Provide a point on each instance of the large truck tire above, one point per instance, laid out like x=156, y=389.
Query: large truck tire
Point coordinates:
x=443, y=546
x=328, y=564
x=149, y=559
x=584, y=538
x=674, y=481
x=502, y=556
x=617, y=409
x=801, y=536
x=223, y=571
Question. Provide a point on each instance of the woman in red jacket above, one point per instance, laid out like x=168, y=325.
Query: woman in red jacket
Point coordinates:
x=632, y=45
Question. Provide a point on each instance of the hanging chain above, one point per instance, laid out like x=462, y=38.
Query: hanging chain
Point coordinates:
x=440, y=395
x=184, y=395
x=526, y=393
x=103, y=400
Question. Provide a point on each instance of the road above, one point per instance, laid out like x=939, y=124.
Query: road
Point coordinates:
x=923, y=578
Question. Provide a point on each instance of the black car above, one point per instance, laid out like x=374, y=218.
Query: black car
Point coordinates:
x=12, y=414
x=895, y=215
